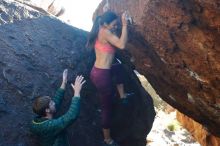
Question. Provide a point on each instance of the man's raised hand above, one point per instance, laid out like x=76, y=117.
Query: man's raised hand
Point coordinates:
x=65, y=74
x=79, y=81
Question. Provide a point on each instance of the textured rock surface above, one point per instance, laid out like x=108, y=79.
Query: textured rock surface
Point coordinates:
x=35, y=49
x=175, y=44
x=9, y=12
x=198, y=131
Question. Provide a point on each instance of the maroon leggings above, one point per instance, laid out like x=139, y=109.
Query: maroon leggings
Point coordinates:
x=102, y=79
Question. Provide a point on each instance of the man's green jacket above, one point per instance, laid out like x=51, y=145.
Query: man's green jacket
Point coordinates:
x=51, y=132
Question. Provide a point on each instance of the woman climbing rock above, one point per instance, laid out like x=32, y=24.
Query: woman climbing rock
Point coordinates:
x=105, y=43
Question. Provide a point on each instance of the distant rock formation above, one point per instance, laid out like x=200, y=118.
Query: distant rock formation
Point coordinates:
x=51, y=6
x=198, y=131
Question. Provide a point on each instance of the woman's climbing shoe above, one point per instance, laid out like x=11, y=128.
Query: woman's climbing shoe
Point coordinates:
x=112, y=143
x=127, y=95
x=125, y=99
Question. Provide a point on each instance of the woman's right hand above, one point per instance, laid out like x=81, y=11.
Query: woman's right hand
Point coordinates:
x=78, y=85
x=124, y=18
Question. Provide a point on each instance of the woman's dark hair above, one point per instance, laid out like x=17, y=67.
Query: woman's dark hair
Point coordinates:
x=106, y=18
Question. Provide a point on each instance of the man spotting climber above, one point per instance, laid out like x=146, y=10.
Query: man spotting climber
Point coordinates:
x=51, y=132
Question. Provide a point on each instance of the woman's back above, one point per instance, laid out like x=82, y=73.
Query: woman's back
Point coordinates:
x=104, y=51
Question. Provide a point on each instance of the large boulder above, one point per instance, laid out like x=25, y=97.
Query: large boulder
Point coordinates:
x=35, y=49
x=175, y=44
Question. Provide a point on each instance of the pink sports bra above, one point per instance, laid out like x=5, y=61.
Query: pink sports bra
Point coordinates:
x=104, y=47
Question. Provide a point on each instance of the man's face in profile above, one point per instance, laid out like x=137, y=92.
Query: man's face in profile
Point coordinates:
x=52, y=107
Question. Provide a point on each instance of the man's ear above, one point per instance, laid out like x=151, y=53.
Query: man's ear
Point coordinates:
x=47, y=110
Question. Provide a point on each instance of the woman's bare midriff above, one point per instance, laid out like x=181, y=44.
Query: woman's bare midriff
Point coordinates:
x=103, y=59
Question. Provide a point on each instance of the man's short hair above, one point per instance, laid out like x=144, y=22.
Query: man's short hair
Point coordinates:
x=41, y=104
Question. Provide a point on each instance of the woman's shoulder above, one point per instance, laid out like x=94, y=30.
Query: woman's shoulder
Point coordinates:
x=105, y=34
x=104, y=31
x=102, y=34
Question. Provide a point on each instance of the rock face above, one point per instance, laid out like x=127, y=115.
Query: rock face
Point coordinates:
x=175, y=44
x=198, y=131
x=9, y=12
x=35, y=49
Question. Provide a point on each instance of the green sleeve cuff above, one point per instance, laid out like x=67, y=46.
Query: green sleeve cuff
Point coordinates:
x=61, y=90
x=77, y=97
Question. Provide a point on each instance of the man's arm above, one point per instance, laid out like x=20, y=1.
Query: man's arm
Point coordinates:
x=55, y=126
x=60, y=92
x=59, y=124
